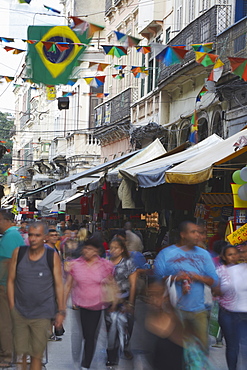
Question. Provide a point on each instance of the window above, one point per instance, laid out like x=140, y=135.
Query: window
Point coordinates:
x=191, y=11
x=239, y=43
x=179, y=19
x=205, y=31
x=168, y=34
x=240, y=9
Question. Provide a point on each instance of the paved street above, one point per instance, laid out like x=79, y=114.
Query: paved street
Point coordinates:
x=60, y=353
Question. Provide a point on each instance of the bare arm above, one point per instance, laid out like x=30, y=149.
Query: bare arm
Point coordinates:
x=11, y=279
x=67, y=288
x=132, y=280
x=58, y=283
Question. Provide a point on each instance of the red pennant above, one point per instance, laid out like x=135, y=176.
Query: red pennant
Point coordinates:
x=47, y=44
x=62, y=47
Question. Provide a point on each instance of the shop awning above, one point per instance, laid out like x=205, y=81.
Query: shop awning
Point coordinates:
x=153, y=173
x=199, y=168
x=151, y=152
x=61, y=196
x=46, y=205
x=70, y=205
x=90, y=172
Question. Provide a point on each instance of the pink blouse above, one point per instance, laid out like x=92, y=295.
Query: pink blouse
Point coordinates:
x=88, y=281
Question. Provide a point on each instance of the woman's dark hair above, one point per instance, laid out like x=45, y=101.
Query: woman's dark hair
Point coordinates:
x=224, y=250
x=219, y=245
x=94, y=242
x=122, y=244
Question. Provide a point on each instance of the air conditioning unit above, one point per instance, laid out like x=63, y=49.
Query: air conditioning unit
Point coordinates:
x=23, y=203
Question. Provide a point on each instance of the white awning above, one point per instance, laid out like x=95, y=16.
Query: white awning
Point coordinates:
x=72, y=203
x=199, y=168
x=153, y=173
x=151, y=152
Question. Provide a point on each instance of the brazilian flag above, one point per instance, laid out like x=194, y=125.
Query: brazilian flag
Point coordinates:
x=53, y=65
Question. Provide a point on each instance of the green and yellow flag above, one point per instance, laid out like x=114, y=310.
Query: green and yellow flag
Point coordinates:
x=52, y=58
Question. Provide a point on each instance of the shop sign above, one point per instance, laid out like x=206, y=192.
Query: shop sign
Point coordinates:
x=239, y=236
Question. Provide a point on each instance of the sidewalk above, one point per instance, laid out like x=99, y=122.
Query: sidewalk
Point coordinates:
x=61, y=354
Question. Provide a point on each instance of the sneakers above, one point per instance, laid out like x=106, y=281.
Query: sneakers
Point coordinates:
x=54, y=338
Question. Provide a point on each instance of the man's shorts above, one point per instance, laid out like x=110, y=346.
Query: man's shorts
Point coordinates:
x=30, y=335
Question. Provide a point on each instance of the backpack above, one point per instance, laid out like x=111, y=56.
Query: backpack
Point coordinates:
x=49, y=256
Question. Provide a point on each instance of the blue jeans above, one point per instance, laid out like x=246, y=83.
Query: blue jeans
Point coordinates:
x=234, y=328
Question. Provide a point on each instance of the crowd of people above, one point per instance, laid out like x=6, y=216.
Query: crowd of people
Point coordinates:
x=44, y=266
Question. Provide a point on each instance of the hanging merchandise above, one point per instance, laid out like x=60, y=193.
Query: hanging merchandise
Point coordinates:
x=49, y=64
x=172, y=55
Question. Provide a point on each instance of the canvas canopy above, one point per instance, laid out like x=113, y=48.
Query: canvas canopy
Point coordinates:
x=199, y=168
x=153, y=173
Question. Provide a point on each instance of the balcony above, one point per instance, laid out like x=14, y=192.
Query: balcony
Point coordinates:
x=116, y=110
x=202, y=30
x=25, y=118
x=108, y=6
x=233, y=40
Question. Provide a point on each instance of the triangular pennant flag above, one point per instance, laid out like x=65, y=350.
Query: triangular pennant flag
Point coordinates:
x=24, y=1
x=8, y=79
x=6, y=39
x=30, y=41
x=93, y=28
x=62, y=47
x=18, y=51
x=119, y=76
x=205, y=48
x=52, y=9
x=217, y=71
x=193, y=138
x=8, y=48
x=239, y=67
x=52, y=48
x=76, y=20
x=47, y=44
x=205, y=59
x=203, y=91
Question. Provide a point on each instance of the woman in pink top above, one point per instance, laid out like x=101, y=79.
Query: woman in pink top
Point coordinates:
x=86, y=275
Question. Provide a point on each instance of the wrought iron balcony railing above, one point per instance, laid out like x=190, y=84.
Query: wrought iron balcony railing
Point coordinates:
x=202, y=30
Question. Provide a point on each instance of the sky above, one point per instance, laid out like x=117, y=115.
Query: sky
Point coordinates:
x=14, y=20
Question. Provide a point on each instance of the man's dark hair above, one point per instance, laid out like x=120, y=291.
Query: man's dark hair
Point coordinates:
x=183, y=227
x=120, y=232
x=219, y=245
x=52, y=231
x=94, y=242
x=7, y=215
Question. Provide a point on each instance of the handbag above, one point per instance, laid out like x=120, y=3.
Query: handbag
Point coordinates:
x=172, y=291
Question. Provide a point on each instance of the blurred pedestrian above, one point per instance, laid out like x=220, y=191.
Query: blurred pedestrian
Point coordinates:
x=85, y=276
x=35, y=295
x=10, y=240
x=233, y=306
x=120, y=316
x=190, y=267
